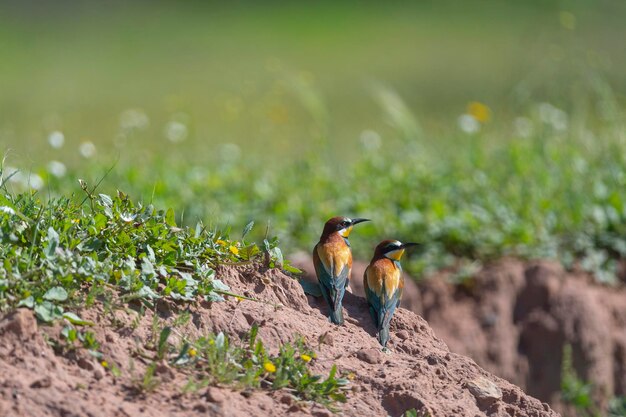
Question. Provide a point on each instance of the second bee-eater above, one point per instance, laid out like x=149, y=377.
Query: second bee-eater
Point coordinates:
x=383, y=283
x=332, y=259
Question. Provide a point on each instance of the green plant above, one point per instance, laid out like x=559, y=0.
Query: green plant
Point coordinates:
x=617, y=407
x=247, y=365
x=148, y=382
x=56, y=251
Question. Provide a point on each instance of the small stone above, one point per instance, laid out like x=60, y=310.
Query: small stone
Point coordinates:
x=321, y=413
x=214, y=395
x=201, y=408
x=484, y=390
x=402, y=334
x=433, y=359
x=372, y=356
x=98, y=373
x=286, y=399
x=44, y=382
x=86, y=364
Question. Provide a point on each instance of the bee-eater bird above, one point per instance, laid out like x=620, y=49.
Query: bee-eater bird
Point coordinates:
x=383, y=283
x=332, y=259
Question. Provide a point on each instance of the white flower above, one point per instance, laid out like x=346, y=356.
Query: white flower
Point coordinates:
x=523, y=127
x=56, y=139
x=87, y=149
x=134, y=119
x=553, y=116
x=7, y=209
x=559, y=120
x=175, y=131
x=57, y=168
x=229, y=152
x=468, y=124
x=370, y=140
x=35, y=182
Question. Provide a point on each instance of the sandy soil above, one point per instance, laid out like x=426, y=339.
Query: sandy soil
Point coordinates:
x=420, y=372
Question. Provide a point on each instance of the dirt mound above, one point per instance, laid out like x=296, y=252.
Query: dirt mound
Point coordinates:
x=420, y=372
x=514, y=319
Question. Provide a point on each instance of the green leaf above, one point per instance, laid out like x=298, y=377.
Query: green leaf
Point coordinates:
x=96, y=354
x=147, y=269
x=170, y=219
x=56, y=294
x=74, y=319
x=53, y=243
x=219, y=285
x=162, y=346
x=182, y=357
x=291, y=269
x=148, y=293
x=247, y=229
x=28, y=302
x=214, y=297
x=277, y=256
x=69, y=333
x=48, y=312
x=105, y=200
x=220, y=339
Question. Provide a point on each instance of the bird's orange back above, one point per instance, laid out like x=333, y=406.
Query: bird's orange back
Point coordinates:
x=383, y=273
x=334, y=253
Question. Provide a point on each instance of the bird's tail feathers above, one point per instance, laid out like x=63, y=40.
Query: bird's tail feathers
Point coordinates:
x=383, y=336
x=384, y=320
x=336, y=314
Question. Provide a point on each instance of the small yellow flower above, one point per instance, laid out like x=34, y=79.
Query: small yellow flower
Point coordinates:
x=269, y=367
x=221, y=242
x=305, y=357
x=192, y=352
x=75, y=220
x=104, y=364
x=234, y=250
x=479, y=111
x=239, y=299
x=351, y=376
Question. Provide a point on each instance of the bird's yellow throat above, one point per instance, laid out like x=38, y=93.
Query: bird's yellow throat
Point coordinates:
x=345, y=232
x=395, y=255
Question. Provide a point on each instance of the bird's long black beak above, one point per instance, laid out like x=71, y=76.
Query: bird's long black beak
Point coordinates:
x=359, y=220
x=410, y=244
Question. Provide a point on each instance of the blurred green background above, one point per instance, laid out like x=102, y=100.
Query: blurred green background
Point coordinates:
x=271, y=77
x=481, y=128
